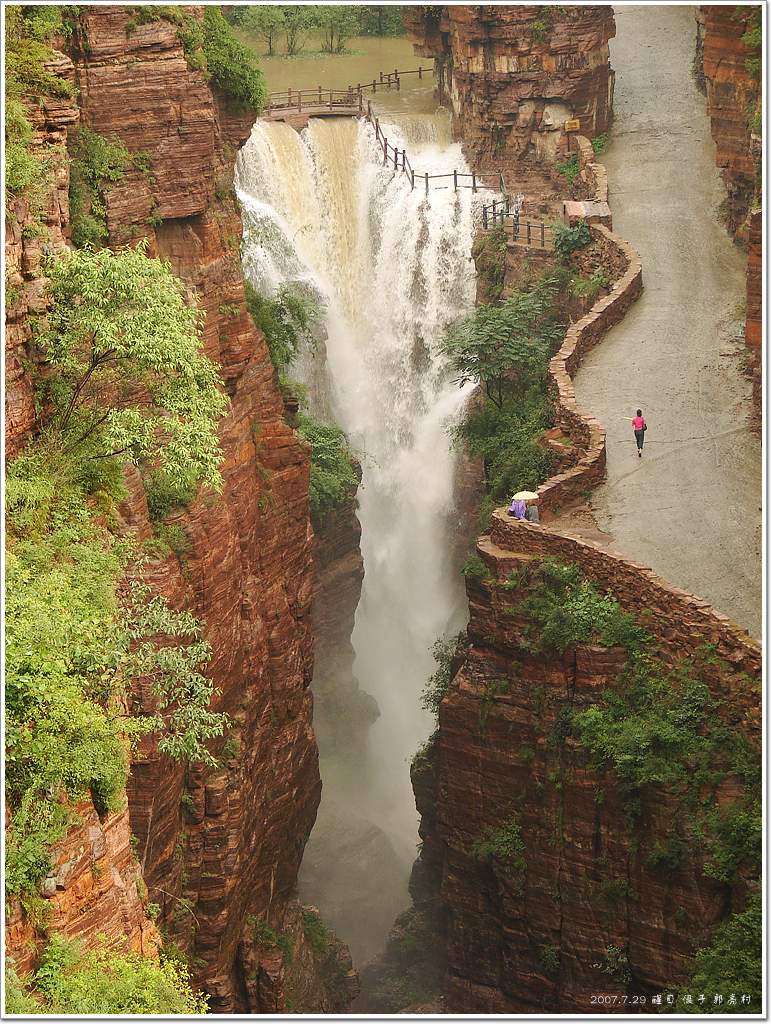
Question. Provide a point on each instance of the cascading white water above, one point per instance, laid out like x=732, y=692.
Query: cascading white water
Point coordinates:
x=394, y=268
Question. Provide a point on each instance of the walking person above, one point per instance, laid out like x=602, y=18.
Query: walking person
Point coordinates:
x=639, y=426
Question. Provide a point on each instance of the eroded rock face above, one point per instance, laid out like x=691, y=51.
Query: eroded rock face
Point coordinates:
x=576, y=903
x=343, y=712
x=218, y=849
x=218, y=846
x=28, y=237
x=94, y=890
x=515, y=74
x=731, y=93
x=733, y=90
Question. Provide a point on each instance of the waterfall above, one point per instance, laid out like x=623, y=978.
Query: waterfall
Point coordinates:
x=393, y=268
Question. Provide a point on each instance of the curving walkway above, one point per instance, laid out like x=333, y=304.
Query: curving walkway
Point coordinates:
x=690, y=508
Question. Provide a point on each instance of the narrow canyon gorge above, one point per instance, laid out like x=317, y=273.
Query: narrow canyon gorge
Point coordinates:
x=458, y=761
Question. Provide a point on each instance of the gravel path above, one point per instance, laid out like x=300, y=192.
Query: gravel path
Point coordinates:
x=690, y=508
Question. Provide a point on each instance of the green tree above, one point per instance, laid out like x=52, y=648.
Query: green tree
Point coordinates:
x=265, y=21
x=732, y=962
x=286, y=320
x=379, y=20
x=127, y=374
x=232, y=66
x=102, y=981
x=333, y=470
x=298, y=21
x=337, y=24
x=505, y=342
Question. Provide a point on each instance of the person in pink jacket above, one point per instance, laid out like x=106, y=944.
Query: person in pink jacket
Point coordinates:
x=639, y=426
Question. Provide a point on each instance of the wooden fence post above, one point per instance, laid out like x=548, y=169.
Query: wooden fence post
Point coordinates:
x=412, y=179
x=473, y=181
x=455, y=180
x=420, y=71
x=426, y=182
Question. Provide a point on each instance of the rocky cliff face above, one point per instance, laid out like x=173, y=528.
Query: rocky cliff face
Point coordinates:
x=342, y=711
x=219, y=850
x=24, y=249
x=554, y=889
x=733, y=89
x=515, y=74
x=728, y=59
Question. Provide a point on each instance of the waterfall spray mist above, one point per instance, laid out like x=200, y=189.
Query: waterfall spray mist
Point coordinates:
x=393, y=268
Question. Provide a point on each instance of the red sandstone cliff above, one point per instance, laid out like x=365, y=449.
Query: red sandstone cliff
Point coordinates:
x=730, y=67
x=515, y=74
x=219, y=850
x=539, y=935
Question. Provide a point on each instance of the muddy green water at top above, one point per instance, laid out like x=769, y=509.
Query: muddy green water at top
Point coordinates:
x=367, y=57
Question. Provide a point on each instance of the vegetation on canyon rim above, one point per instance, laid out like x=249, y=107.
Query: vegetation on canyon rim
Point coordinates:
x=101, y=981
x=335, y=25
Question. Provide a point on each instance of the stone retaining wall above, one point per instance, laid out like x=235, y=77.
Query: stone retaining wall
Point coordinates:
x=586, y=432
x=680, y=622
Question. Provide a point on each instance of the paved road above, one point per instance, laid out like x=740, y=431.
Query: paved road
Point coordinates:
x=690, y=507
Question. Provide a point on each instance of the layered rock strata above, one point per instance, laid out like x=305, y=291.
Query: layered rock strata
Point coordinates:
x=515, y=74
x=219, y=850
x=730, y=69
x=28, y=237
x=342, y=712
x=581, y=909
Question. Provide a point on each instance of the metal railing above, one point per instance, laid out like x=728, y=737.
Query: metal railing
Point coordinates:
x=454, y=179
x=352, y=97
x=519, y=230
x=350, y=102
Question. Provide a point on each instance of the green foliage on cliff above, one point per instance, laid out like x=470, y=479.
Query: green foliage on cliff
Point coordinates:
x=79, y=624
x=265, y=937
x=438, y=684
x=101, y=981
x=506, y=347
x=570, y=610
x=333, y=467
x=211, y=47
x=286, y=319
x=732, y=962
x=96, y=164
x=569, y=168
x=27, y=32
x=315, y=931
x=232, y=66
x=753, y=40
x=120, y=328
x=490, y=259
x=567, y=239
x=78, y=630
x=504, y=845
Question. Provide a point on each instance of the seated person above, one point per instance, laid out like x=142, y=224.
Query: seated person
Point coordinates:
x=517, y=508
